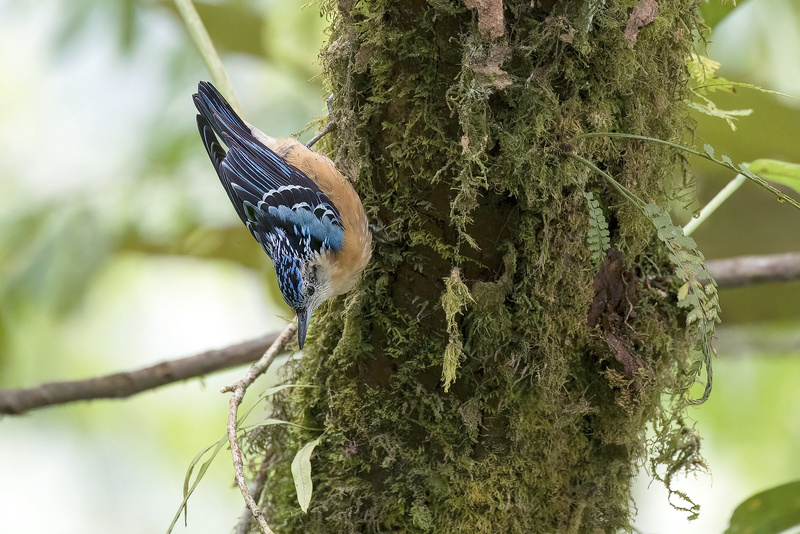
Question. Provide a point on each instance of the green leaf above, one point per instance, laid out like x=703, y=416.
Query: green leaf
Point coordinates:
x=702, y=68
x=301, y=473
x=721, y=84
x=711, y=109
x=703, y=73
x=187, y=489
x=684, y=291
x=769, y=512
x=702, y=304
x=781, y=172
x=725, y=162
x=597, y=236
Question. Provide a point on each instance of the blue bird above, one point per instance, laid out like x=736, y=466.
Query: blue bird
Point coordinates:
x=301, y=210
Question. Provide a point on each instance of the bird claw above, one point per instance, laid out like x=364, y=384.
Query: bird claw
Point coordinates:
x=328, y=127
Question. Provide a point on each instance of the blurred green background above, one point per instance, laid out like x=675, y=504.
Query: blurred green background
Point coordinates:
x=118, y=249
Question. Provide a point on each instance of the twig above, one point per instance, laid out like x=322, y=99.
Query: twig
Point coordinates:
x=199, y=34
x=238, y=388
x=258, y=487
x=750, y=270
x=121, y=385
x=715, y=203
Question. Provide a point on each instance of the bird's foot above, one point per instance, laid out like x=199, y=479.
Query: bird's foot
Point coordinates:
x=328, y=127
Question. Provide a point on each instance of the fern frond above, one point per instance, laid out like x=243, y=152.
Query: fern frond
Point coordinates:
x=703, y=72
x=597, y=237
x=724, y=161
x=701, y=301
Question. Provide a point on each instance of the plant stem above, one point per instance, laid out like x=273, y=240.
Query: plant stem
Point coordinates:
x=716, y=202
x=618, y=186
x=199, y=34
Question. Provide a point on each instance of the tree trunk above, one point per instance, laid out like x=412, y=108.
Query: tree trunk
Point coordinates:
x=487, y=375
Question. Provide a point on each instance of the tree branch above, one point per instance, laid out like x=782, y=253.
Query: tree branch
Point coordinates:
x=729, y=273
x=238, y=389
x=120, y=385
x=750, y=270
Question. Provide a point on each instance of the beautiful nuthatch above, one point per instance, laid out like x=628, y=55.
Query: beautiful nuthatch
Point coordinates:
x=301, y=210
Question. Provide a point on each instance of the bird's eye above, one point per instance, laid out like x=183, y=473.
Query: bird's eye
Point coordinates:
x=311, y=291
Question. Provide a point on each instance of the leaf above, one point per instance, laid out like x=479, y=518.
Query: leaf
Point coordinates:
x=683, y=291
x=703, y=73
x=301, y=473
x=771, y=511
x=597, y=236
x=726, y=162
x=702, y=303
x=188, y=490
x=702, y=68
x=781, y=172
x=711, y=109
x=721, y=84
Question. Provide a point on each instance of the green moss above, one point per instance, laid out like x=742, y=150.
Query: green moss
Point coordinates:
x=456, y=297
x=456, y=144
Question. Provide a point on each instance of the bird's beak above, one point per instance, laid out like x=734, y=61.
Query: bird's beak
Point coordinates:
x=303, y=317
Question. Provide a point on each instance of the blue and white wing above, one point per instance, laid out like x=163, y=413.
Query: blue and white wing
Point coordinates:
x=289, y=217
x=284, y=209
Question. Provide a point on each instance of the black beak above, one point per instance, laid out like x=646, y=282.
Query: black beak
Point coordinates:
x=302, y=326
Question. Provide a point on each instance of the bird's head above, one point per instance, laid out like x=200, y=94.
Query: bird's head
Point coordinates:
x=305, y=284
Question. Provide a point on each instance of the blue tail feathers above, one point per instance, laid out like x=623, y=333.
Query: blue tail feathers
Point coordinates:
x=210, y=102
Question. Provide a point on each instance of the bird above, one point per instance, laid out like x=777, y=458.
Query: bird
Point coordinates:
x=302, y=211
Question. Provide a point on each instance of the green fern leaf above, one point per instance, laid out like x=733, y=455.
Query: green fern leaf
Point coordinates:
x=597, y=236
x=702, y=302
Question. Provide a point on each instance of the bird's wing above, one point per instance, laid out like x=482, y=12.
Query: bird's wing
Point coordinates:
x=284, y=209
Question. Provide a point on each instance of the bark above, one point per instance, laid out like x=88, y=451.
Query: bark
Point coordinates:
x=486, y=375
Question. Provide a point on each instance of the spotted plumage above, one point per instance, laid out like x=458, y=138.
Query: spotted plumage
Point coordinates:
x=303, y=213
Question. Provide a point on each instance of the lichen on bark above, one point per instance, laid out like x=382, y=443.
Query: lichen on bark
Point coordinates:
x=455, y=136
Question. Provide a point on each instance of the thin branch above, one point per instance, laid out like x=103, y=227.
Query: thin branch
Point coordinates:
x=238, y=388
x=715, y=203
x=199, y=34
x=258, y=486
x=750, y=270
x=121, y=385
x=729, y=273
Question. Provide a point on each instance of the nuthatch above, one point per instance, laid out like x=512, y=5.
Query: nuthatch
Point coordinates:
x=301, y=210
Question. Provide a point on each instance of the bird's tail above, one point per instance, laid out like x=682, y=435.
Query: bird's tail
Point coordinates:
x=210, y=141
x=216, y=110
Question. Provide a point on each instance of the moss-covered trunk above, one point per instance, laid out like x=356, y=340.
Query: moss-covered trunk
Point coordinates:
x=486, y=375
